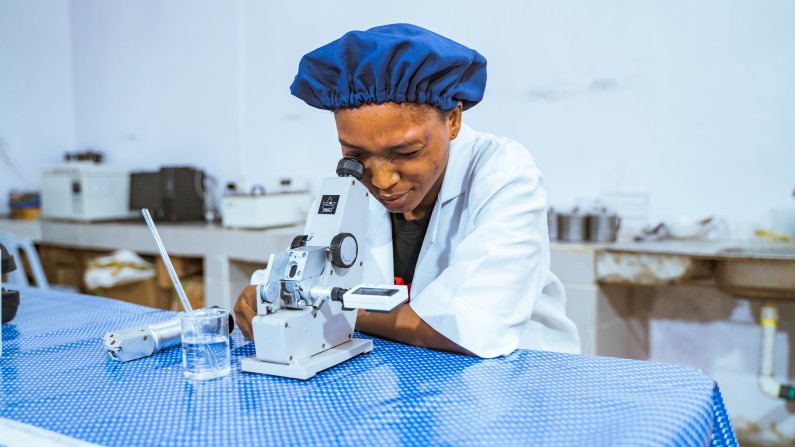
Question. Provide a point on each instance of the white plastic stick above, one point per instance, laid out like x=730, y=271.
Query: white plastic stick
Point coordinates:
x=167, y=261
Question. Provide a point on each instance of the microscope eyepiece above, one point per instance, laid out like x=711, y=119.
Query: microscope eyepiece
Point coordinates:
x=350, y=167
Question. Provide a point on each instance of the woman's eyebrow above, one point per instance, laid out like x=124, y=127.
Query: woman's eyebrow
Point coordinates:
x=394, y=147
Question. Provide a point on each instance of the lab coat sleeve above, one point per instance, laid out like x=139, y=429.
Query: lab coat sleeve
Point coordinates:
x=484, y=298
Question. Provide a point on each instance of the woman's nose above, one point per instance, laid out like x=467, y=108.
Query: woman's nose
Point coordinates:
x=384, y=175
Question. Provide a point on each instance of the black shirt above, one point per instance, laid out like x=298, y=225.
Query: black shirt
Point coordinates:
x=407, y=237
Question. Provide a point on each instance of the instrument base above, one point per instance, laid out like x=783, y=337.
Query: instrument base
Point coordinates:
x=308, y=368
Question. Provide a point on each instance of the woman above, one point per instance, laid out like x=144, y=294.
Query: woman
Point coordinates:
x=456, y=214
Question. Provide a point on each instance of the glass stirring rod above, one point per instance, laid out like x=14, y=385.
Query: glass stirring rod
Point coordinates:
x=167, y=261
x=173, y=274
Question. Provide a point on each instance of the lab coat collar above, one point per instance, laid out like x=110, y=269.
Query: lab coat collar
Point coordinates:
x=457, y=162
x=452, y=187
x=453, y=184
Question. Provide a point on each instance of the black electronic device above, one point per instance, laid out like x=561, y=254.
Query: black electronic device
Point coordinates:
x=172, y=194
x=10, y=298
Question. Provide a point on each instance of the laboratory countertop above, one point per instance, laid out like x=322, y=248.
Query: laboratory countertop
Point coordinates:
x=185, y=234
x=667, y=262
x=695, y=248
x=199, y=239
x=56, y=377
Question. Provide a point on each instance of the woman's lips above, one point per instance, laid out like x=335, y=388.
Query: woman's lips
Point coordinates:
x=395, y=200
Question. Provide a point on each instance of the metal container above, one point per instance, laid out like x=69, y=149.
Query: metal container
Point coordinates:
x=572, y=227
x=603, y=226
x=552, y=224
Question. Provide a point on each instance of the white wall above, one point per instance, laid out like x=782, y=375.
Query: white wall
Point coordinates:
x=36, y=96
x=156, y=83
x=689, y=103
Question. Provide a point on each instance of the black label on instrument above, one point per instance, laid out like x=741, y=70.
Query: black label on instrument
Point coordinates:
x=328, y=204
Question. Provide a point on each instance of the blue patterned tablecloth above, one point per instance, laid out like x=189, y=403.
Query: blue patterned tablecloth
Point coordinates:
x=55, y=375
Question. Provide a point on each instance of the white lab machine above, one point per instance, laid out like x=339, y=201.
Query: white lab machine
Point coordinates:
x=307, y=297
x=85, y=191
x=258, y=211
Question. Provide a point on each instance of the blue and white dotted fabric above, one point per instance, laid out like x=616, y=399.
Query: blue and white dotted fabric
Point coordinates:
x=55, y=375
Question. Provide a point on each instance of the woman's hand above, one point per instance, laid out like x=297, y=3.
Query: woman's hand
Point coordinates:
x=246, y=310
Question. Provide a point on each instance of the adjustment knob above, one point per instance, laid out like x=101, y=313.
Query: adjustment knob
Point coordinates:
x=344, y=249
x=269, y=292
x=7, y=263
x=299, y=241
x=350, y=167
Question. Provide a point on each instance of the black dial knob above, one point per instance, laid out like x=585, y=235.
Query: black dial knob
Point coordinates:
x=350, y=167
x=344, y=249
x=299, y=241
x=8, y=262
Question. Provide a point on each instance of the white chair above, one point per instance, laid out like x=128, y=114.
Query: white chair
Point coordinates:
x=16, y=245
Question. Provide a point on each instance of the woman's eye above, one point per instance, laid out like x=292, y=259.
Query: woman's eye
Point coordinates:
x=355, y=155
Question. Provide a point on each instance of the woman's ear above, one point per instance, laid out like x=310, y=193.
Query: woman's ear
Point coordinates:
x=454, y=121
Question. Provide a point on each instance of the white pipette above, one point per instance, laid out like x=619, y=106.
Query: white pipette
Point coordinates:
x=173, y=274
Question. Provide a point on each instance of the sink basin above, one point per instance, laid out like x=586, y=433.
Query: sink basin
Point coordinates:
x=763, y=272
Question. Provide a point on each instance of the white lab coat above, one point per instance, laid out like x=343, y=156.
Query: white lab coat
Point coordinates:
x=482, y=278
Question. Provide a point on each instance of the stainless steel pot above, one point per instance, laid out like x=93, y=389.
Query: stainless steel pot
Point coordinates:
x=552, y=224
x=572, y=227
x=603, y=227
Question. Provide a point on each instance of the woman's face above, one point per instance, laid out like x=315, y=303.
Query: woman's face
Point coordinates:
x=404, y=148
